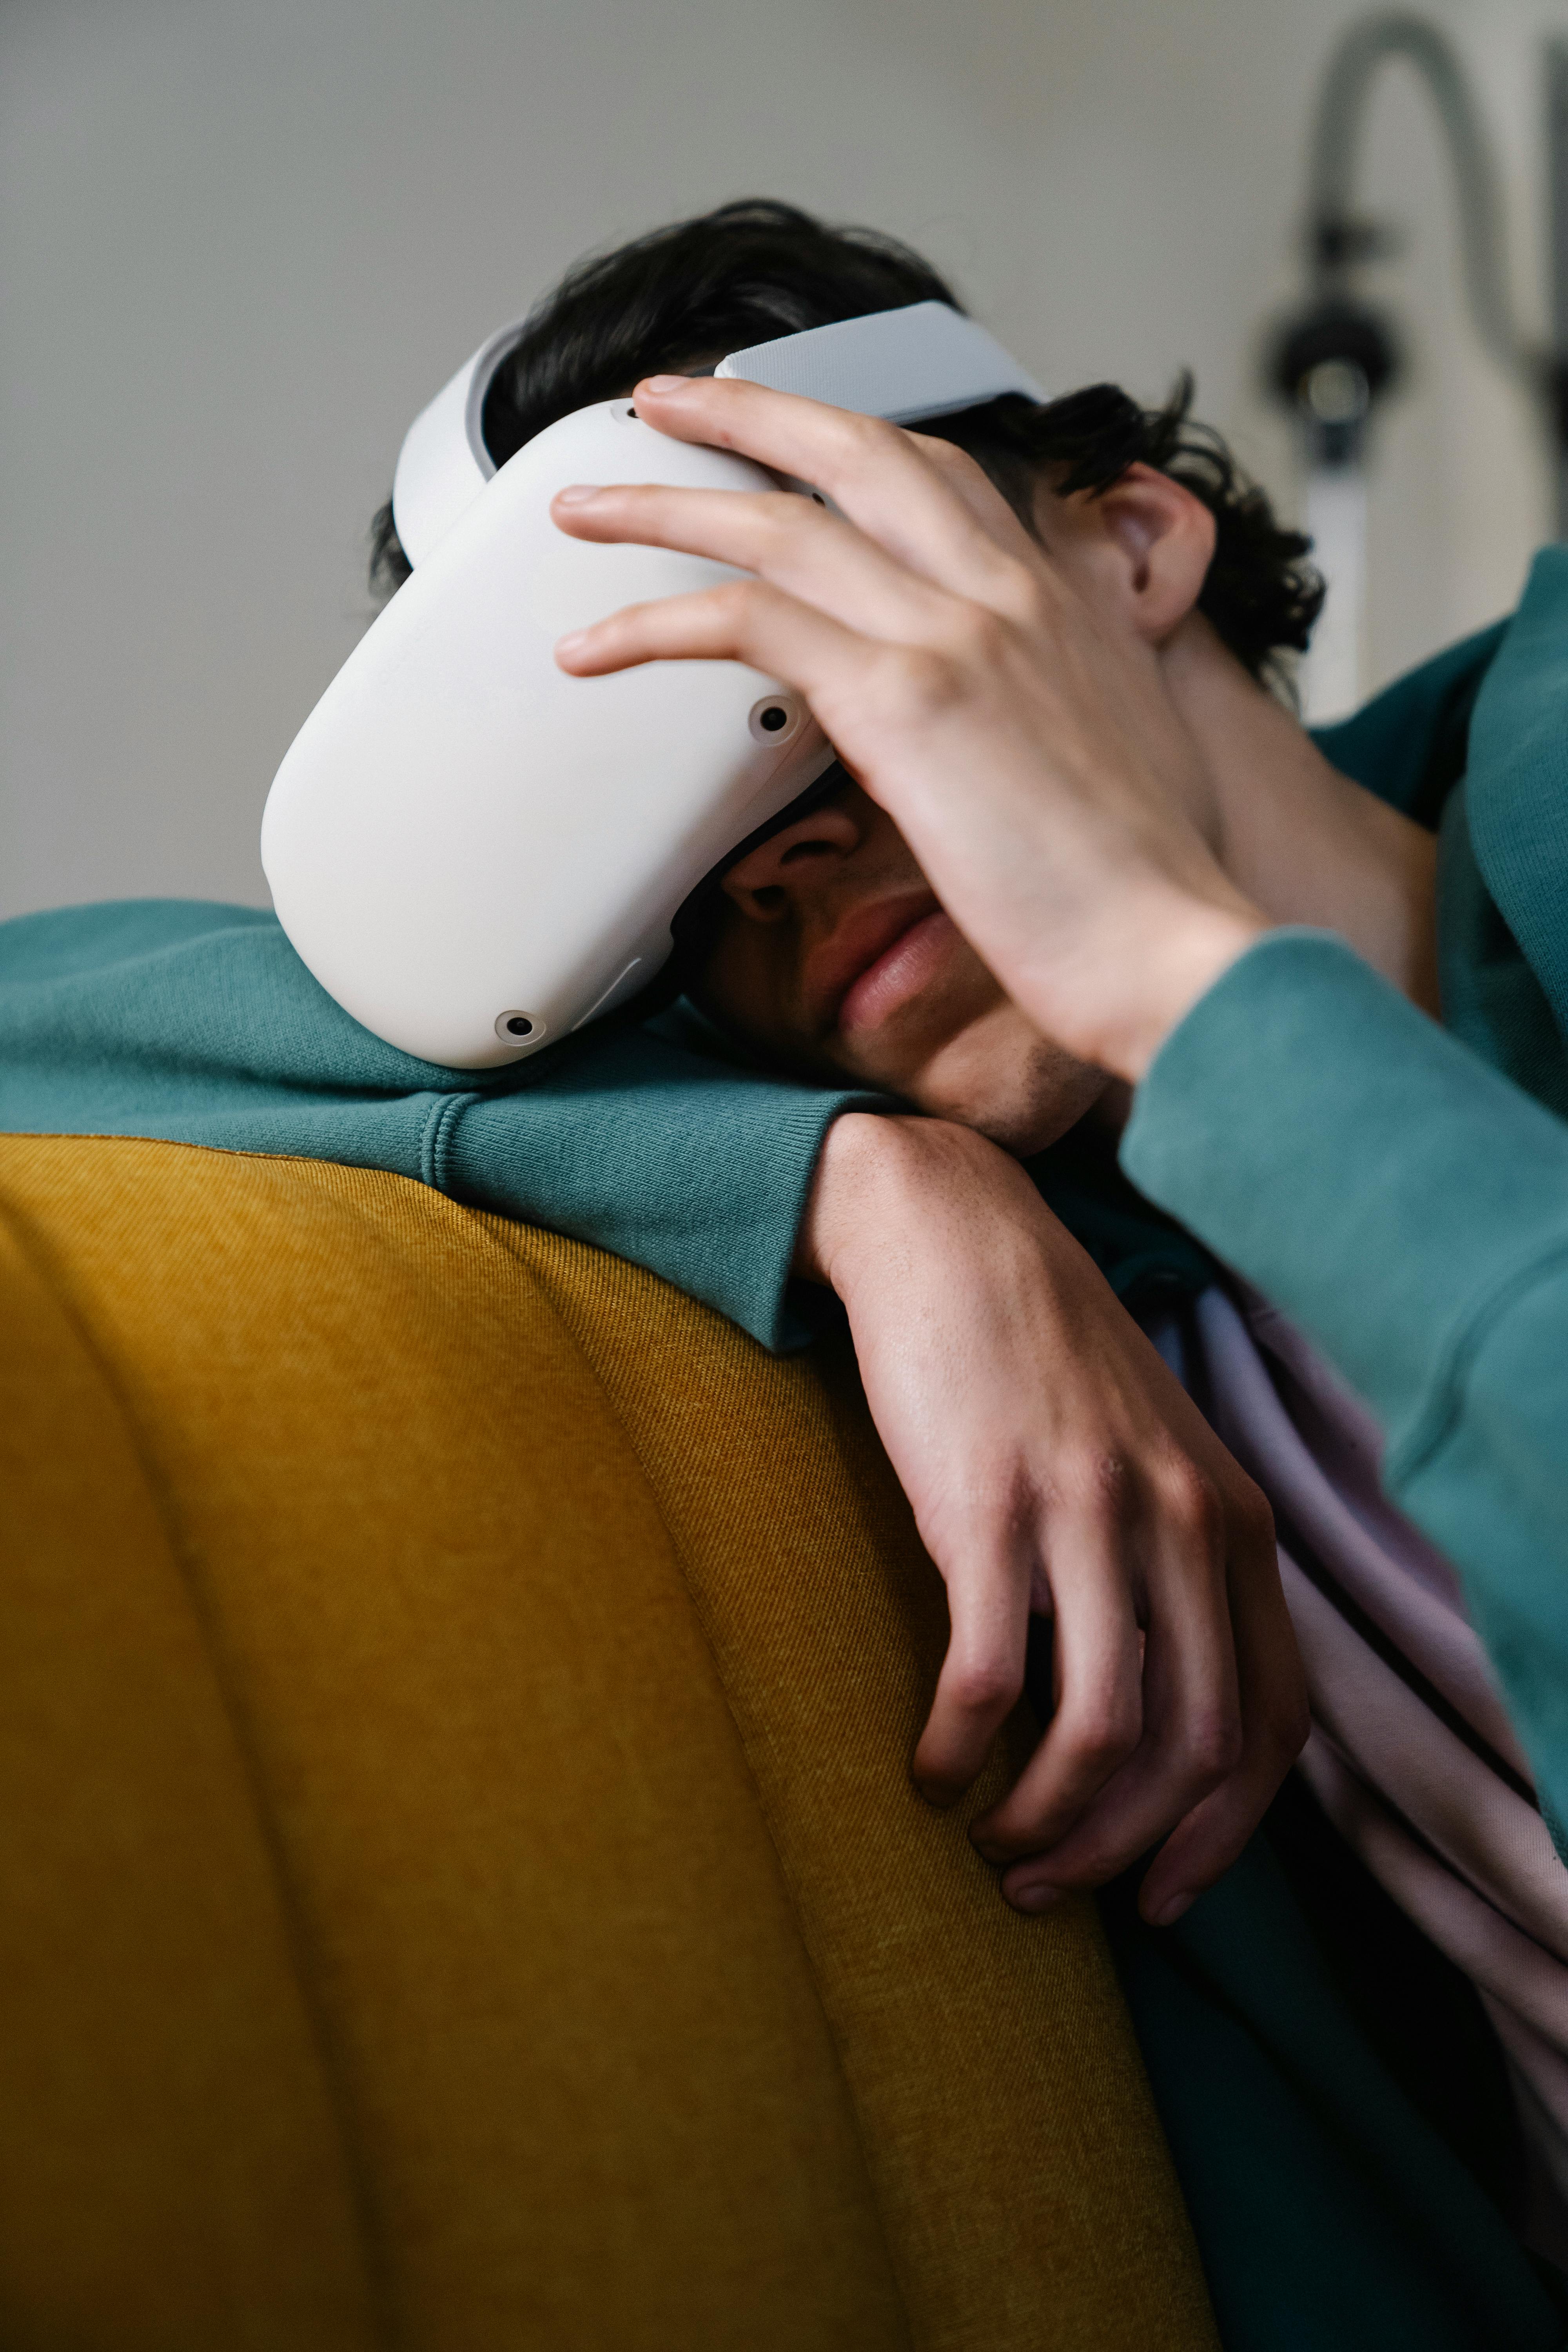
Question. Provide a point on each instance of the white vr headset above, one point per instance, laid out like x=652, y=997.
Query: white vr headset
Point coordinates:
x=477, y=853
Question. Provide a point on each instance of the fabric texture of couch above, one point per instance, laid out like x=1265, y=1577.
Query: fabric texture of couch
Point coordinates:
x=459, y=1885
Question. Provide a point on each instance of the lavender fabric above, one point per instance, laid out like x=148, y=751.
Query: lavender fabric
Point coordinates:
x=1411, y=1756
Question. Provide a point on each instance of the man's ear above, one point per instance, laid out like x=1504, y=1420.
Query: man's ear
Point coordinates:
x=1148, y=540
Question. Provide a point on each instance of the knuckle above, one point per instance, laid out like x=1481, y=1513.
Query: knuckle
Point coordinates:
x=784, y=518
x=740, y=603
x=983, y=637
x=1247, y=1509
x=1105, y=1473
x=1195, y=1505
x=985, y=1688
x=1290, y=1723
x=1103, y=1732
x=919, y=684
x=1020, y=596
x=945, y=456
x=1215, y=1744
x=1254, y=1515
x=865, y=436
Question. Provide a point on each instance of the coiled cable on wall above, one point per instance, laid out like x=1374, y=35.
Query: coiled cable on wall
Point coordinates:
x=1334, y=359
x=1340, y=240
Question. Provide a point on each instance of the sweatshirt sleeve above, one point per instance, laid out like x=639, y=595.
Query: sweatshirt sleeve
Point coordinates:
x=1409, y=1207
x=197, y=1024
x=692, y=1168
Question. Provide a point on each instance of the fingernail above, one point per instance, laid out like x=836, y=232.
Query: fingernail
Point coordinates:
x=1035, y=1898
x=571, y=644
x=987, y=1850
x=1169, y=1913
x=664, y=384
x=578, y=495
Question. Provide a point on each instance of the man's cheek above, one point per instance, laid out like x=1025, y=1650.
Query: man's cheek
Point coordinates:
x=735, y=989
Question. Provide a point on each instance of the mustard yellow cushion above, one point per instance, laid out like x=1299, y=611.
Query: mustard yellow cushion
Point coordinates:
x=459, y=1883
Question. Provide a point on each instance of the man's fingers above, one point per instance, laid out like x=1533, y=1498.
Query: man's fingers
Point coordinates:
x=1220, y=1744
x=981, y=1675
x=1183, y=1759
x=744, y=621
x=860, y=689
x=876, y=474
x=1275, y=1724
x=1201, y=1848
x=1190, y=1731
x=1186, y=1751
x=780, y=538
x=1098, y=1719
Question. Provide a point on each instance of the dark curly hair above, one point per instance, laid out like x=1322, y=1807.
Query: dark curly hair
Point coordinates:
x=748, y=271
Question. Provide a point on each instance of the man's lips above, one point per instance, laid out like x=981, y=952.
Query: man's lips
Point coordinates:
x=899, y=974
x=877, y=958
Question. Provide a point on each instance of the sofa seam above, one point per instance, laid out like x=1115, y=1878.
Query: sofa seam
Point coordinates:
x=895, y=2268
x=39, y=1258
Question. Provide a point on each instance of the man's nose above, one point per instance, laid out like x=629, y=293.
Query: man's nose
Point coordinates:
x=792, y=865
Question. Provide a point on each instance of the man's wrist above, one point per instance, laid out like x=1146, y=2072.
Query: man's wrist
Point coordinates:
x=1135, y=974
x=853, y=1157
x=881, y=1173
x=1185, y=963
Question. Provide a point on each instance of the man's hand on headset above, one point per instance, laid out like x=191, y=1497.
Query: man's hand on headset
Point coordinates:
x=935, y=640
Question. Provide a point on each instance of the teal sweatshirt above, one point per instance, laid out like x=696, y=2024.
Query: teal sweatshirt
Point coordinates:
x=196, y=1022
x=1403, y=1193
x=1402, y=1190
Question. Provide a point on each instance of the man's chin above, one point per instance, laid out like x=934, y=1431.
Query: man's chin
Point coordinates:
x=978, y=1063
x=1024, y=1100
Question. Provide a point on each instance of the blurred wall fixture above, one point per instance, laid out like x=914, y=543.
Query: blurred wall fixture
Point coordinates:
x=1333, y=358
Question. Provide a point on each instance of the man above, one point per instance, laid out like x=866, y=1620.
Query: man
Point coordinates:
x=198, y=1023
x=1143, y=838
x=201, y=1024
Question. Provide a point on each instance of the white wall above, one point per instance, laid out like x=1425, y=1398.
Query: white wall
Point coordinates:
x=242, y=244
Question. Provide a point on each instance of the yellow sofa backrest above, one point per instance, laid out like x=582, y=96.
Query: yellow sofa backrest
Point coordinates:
x=459, y=1886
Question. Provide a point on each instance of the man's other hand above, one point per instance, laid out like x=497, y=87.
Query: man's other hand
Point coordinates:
x=1056, y=1466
